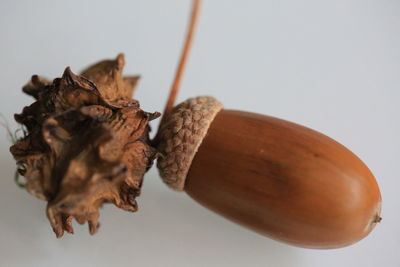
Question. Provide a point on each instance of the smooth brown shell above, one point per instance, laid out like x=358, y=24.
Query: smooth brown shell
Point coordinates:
x=284, y=180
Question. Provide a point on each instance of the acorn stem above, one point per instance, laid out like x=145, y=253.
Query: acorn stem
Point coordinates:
x=184, y=56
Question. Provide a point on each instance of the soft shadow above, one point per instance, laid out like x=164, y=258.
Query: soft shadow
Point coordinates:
x=169, y=229
x=178, y=231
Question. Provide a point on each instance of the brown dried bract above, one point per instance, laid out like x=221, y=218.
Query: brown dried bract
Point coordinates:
x=86, y=143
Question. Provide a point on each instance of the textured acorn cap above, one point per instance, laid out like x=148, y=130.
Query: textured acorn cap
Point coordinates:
x=181, y=135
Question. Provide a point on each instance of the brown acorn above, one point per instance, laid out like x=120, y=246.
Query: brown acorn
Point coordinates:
x=86, y=142
x=278, y=178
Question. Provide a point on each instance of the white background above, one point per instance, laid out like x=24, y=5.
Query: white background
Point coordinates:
x=331, y=65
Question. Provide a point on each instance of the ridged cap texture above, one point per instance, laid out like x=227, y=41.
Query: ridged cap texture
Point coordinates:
x=181, y=135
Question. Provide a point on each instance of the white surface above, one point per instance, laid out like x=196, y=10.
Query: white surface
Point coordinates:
x=330, y=65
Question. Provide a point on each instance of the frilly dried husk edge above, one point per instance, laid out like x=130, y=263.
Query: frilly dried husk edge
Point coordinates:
x=86, y=143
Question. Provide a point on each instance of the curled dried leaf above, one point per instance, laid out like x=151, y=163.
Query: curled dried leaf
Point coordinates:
x=87, y=144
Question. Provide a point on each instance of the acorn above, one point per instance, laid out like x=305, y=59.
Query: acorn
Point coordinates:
x=281, y=179
x=86, y=142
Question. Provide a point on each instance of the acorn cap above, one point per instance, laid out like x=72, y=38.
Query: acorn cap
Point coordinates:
x=181, y=135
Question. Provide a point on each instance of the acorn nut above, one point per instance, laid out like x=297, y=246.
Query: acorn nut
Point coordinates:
x=278, y=178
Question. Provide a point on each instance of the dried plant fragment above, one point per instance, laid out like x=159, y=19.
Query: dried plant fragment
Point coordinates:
x=87, y=143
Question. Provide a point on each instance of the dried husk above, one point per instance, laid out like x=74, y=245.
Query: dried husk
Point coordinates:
x=86, y=143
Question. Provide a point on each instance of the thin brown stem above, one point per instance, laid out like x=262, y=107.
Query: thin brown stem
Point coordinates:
x=182, y=63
